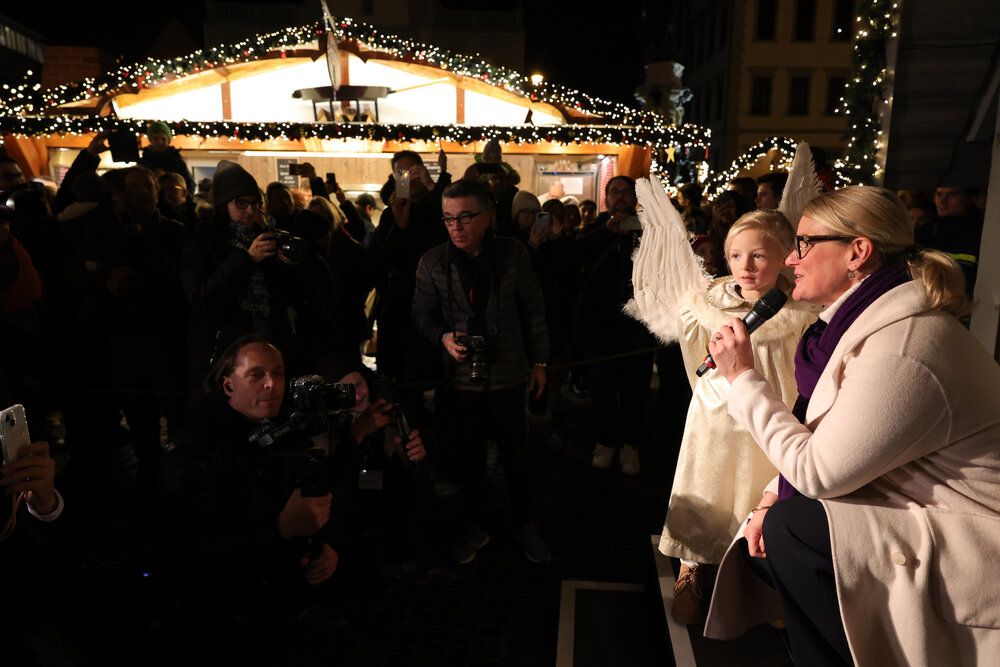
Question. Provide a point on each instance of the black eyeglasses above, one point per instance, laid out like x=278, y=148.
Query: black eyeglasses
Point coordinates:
x=242, y=203
x=462, y=219
x=804, y=243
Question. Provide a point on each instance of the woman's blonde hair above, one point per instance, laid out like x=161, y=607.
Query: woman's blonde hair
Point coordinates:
x=771, y=224
x=879, y=215
x=328, y=210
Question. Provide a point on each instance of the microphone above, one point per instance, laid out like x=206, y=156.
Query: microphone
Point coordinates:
x=762, y=311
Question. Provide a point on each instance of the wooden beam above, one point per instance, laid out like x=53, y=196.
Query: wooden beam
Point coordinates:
x=31, y=154
x=459, y=103
x=227, y=100
x=212, y=77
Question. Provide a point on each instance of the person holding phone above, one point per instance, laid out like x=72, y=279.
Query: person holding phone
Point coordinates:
x=618, y=387
x=408, y=228
x=30, y=546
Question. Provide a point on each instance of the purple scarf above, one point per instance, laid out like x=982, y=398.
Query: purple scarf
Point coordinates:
x=820, y=340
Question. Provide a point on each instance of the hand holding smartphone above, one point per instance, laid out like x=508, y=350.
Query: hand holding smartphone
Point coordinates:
x=13, y=432
x=542, y=222
x=27, y=467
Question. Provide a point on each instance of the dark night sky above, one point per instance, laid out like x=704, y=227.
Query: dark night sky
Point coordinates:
x=593, y=49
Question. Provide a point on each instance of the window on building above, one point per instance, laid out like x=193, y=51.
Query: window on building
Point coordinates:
x=834, y=91
x=805, y=20
x=767, y=15
x=843, y=20
x=798, y=96
x=760, y=96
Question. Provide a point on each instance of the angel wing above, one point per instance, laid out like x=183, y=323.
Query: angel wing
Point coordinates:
x=802, y=185
x=664, y=267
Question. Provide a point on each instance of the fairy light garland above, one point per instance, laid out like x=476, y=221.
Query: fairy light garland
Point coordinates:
x=28, y=99
x=462, y=134
x=876, y=23
x=785, y=147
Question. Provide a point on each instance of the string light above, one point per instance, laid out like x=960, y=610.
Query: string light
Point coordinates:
x=380, y=132
x=876, y=25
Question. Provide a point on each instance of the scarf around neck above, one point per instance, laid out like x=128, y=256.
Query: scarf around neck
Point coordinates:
x=254, y=296
x=821, y=339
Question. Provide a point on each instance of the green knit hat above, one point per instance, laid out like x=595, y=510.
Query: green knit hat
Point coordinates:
x=159, y=126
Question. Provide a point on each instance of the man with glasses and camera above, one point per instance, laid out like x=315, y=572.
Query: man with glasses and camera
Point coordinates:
x=478, y=300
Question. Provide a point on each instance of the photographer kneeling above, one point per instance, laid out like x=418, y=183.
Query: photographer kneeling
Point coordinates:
x=374, y=472
x=243, y=534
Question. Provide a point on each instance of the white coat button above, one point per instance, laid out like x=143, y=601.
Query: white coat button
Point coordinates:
x=898, y=558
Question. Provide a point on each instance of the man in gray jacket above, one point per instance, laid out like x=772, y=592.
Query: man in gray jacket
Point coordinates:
x=478, y=299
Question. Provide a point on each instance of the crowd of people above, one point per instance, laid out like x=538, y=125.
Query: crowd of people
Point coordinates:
x=238, y=316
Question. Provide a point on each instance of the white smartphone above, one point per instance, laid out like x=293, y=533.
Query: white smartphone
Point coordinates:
x=13, y=432
x=402, y=184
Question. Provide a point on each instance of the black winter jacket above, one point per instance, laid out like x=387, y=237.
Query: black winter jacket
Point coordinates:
x=515, y=312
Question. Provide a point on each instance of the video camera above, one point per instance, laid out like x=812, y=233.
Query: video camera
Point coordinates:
x=315, y=399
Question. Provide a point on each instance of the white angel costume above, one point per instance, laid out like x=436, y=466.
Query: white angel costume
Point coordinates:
x=720, y=469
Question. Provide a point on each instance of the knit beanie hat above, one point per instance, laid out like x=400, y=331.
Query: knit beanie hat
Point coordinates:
x=159, y=126
x=232, y=181
x=492, y=146
x=524, y=200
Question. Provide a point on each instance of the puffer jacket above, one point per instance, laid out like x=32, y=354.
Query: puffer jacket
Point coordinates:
x=515, y=312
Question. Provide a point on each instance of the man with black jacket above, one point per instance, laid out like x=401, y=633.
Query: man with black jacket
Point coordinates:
x=234, y=518
x=408, y=228
x=478, y=301
x=619, y=386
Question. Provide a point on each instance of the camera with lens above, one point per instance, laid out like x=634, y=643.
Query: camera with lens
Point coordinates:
x=315, y=399
x=293, y=247
x=481, y=349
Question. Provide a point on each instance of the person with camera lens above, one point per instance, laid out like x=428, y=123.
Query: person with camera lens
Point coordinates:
x=478, y=300
x=243, y=517
x=237, y=276
x=376, y=475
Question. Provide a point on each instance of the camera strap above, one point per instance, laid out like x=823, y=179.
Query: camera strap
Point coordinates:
x=486, y=266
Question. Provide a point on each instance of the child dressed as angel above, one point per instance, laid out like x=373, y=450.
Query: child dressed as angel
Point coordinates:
x=720, y=470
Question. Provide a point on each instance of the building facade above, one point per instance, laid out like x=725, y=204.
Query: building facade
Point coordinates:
x=764, y=68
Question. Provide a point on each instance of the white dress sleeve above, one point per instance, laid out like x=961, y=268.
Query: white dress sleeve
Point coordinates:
x=664, y=267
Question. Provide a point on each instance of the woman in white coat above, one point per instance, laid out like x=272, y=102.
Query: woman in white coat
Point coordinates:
x=878, y=541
